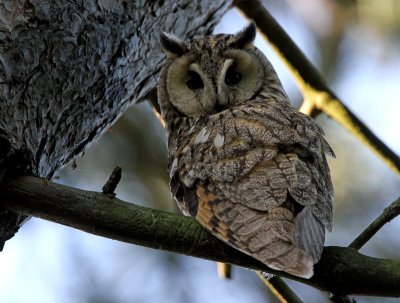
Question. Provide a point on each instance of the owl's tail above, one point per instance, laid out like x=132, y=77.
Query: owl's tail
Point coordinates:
x=268, y=236
x=281, y=251
x=294, y=261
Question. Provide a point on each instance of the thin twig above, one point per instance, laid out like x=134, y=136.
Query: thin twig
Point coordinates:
x=112, y=183
x=389, y=213
x=224, y=270
x=152, y=98
x=280, y=289
x=311, y=83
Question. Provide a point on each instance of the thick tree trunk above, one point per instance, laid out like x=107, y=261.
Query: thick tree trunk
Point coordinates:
x=69, y=69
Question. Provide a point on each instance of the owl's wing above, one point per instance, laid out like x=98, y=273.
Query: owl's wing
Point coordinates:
x=266, y=236
x=310, y=233
x=313, y=190
x=315, y=183
x=243, y=167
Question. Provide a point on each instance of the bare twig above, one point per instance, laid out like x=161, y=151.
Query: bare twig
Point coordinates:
x=280, y=289
x=112, y=183
x=224, y=270
x=153, y=100
x=316, y=93
x=389, y=213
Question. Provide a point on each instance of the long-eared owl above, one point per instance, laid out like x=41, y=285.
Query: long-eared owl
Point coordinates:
x=246, y=164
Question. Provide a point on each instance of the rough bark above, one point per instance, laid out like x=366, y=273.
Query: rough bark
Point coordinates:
x=340, y=271
x=69, y=69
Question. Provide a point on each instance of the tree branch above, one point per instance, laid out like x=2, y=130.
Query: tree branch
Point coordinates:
x=317, y=94
x=389, y=213
x=340, y=271
x=280, y=289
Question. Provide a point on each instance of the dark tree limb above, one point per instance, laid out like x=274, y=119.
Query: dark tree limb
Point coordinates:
x=341, y=270
x=317, y=95
x=388, y=214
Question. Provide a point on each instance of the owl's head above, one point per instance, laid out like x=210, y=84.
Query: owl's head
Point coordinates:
x=210, y=74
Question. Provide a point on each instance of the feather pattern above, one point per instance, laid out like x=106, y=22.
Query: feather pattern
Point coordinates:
x=246, y=164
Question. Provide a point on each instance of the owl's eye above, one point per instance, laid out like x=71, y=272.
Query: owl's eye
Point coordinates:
x=232, y=76
x=194, y=82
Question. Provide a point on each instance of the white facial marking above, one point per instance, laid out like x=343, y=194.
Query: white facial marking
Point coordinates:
x=202, y=136
x=219, y=140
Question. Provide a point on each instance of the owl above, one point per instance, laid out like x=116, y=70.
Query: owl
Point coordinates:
x=246, y=164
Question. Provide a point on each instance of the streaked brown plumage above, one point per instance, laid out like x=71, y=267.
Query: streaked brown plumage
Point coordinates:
x=245, y=163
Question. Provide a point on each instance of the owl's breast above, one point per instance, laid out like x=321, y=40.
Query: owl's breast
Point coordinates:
x=254, y=153
x=228, y=145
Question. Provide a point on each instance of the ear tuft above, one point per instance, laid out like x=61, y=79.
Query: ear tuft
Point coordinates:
x=245, y=38
x=172, y=45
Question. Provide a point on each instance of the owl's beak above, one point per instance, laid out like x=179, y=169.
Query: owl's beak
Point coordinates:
x=218, y=107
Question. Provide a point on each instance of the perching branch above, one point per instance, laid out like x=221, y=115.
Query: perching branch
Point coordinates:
x=389, y=213
x=317, y=94
x=340, y=271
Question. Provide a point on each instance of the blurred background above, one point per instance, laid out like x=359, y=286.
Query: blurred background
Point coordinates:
x=356, y=46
